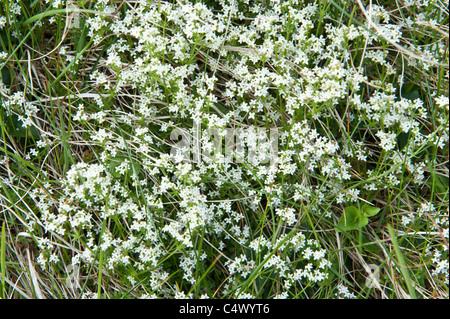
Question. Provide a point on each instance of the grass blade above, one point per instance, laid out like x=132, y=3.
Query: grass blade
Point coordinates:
x=401, y=261
x=3, y=260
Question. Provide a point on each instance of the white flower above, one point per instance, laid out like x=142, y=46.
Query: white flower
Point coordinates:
x=288, y=215
x=2, y=22
x=387, y=140
x=442, y=102
x=343, y=292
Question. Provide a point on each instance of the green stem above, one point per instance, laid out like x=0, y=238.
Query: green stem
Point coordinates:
x=100, y=263
x=3, y=260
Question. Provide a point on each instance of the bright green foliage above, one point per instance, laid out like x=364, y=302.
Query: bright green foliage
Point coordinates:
x=354, y=218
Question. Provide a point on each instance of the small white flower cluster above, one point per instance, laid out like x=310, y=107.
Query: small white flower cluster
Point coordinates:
x=441, y=264
x=440, y=225
x=17, y=104
x=2, y=22
x=344, y=293
x=287, y=215
x=90, y=196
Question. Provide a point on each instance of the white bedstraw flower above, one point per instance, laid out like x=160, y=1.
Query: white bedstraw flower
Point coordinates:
x=287, y=215
x=343, y=292
x=387, y=140
x=442, y=102
x=2, y=22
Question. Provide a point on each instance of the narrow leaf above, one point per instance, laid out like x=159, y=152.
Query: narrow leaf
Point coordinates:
x=369, y=211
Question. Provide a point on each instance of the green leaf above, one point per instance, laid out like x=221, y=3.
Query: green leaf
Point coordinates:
x=16, y=128
x=352, y=219
x=5, y=76
x=363, y=221
x=369, y=211
x=412, y=95
x=222, y=108
x=402, y=140
x=441, y=183
x=113, y=164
